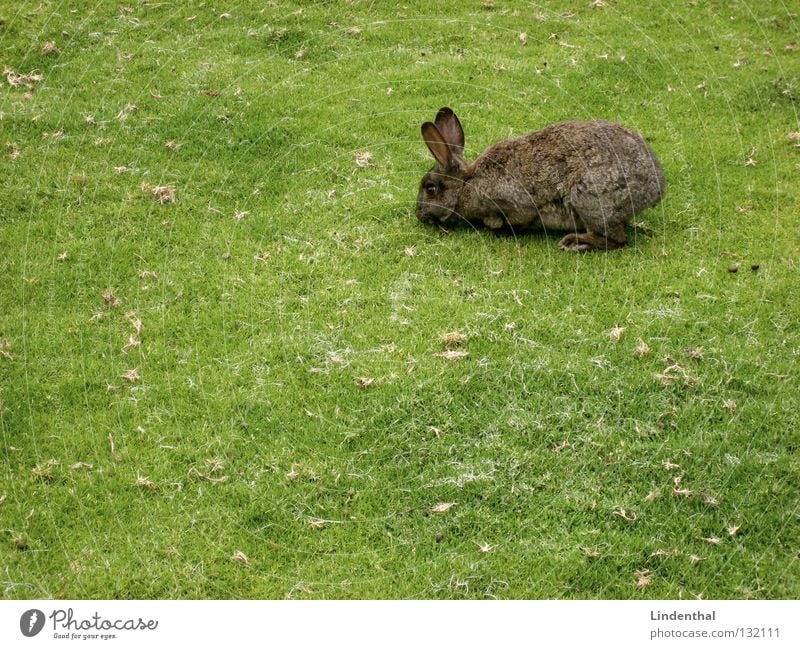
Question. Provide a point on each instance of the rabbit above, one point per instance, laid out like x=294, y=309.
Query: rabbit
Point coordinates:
x=588, y=178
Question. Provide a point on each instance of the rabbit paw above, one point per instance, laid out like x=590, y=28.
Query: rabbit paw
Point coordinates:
x=573, y=243
x=582, y=241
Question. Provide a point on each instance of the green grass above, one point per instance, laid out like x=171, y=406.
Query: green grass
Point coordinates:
x=283, y=273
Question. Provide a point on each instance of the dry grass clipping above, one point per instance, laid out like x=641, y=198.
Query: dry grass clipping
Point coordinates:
x=145, y=483
x=44, y=471
x=110, y=299
x=131, y=375
x=675, y=373
x=215, y=467
x=240, y=557
x=616, y=333
x=452, y=354
x=656, y=493
x=133, y=342
x=695, y=353
x=364, y=159
x=164, y=194
x=643, y=578
x=453, y=339
x=123, y=114
x=631, y=517
x=16, y=80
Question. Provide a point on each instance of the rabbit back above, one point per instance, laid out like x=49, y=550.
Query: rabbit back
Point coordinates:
x=571, y=175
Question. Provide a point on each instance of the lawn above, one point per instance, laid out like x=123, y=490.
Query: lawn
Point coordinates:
x=234, y=365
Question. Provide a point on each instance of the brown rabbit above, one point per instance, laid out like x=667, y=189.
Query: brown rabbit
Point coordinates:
x=588, y=178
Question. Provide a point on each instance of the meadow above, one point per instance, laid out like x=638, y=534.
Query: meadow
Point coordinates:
x=234, y=365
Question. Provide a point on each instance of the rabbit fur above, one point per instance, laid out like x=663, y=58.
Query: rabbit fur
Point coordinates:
x=585, y=177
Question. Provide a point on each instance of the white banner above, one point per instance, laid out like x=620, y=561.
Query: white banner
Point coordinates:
x=390, y=624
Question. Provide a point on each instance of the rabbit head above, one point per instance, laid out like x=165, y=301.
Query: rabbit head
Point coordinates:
x=440, y=187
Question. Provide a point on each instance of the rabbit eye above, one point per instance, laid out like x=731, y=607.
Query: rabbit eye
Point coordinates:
x=431, y=189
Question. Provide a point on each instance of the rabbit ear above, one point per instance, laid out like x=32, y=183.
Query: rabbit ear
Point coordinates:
x=450, y=128
x=436, y=144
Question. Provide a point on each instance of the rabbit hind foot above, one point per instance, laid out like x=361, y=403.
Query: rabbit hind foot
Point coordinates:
x=586, y=241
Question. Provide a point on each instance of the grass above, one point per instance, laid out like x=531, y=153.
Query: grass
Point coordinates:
x=187, y=193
